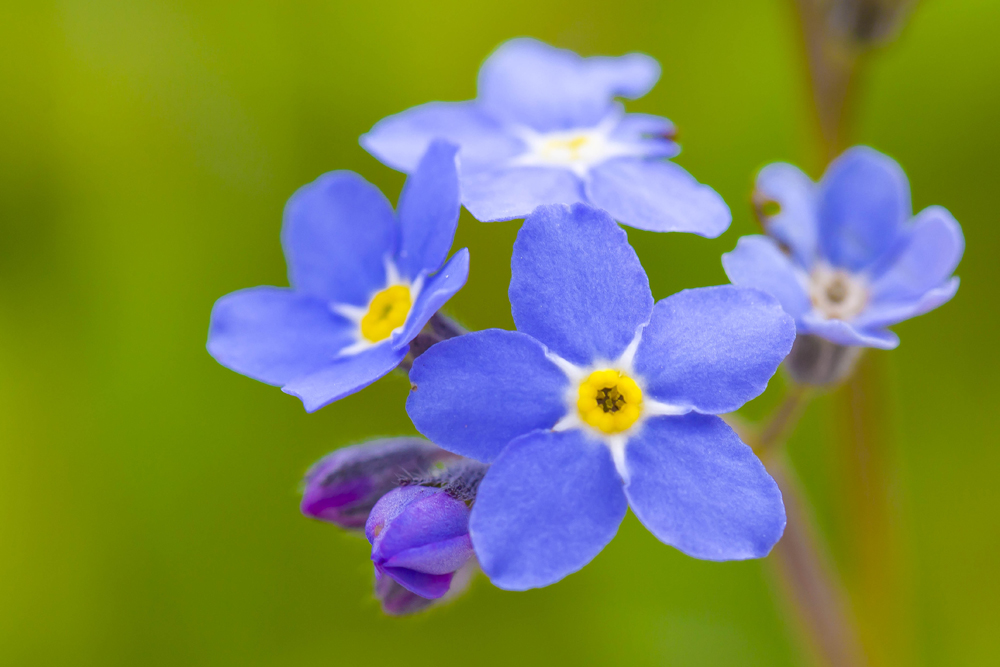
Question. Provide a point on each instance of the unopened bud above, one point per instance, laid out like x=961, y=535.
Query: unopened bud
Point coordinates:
x=343, y=486
x=420, y=538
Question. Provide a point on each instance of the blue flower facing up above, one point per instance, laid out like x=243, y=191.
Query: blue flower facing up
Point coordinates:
x=364, y=283
x=602, y=400
x=546, y=129
x=845, y=256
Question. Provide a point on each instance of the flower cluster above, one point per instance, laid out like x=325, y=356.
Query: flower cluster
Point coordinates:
x=540, y=439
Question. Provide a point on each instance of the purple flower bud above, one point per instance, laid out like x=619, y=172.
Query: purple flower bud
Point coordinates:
x=342, y=487
x=419, y=537
x=396, y=600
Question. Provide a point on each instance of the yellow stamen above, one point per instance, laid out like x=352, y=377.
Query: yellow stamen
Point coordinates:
x=567, y=148
x=609, y=401
x=387, y=312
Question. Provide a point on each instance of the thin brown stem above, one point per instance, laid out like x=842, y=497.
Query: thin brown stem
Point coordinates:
x=873, y=558
x=833, y=63
x=814, y=595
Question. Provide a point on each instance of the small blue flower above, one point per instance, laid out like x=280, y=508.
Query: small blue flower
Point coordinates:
x=846, y=257
x=420, y=538
x=603, y=400
x=364, y=284
x=546, y=129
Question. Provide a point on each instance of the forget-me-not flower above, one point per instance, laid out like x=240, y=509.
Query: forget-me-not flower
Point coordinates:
x=546, y=129
x=845, y=256
x=602, y=400
x=364, y=282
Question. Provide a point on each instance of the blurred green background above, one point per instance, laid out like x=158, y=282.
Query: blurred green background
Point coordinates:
x=148, y=496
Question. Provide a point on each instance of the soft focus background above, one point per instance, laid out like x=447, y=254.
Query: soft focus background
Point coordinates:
x=148, y=496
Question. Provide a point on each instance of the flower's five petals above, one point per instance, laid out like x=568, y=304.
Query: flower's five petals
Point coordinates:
x=695, y=486
x=547, y=129
x=844, y=257
x=548, y=506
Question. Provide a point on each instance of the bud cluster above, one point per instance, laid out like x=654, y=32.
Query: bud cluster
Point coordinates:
x=413, y=501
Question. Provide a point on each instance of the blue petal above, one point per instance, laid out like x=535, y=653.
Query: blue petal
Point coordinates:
x=651, y=136
x=507, y=194
x=931, y=250
x=275, y=334
x=713, y=349
x=795, y=223
x=546, y=508
x=401, y=140
x=657, y=196
x=576, y=284
x=436, y=291
x=635, y=126
x=695, y=486
x=882, y=314
x=475, y=393
x=345, y=376
x=530, y=83
x=338, y=232
x=757, y=262
x=846, y=333
x=864, y=201
x=428, y=211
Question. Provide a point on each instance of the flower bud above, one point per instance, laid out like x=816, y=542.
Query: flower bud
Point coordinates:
x=420, y=538
x=397, y=601
x=817, y=362
x=343, y=486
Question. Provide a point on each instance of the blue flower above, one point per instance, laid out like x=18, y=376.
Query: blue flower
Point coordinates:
x=546, y=129
x=602, y=400
x=845, y=256
x=364, y=284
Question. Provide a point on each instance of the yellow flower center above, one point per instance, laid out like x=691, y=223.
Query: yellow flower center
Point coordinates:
x=565, y=149
x=609, y=401
x=387, y=312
